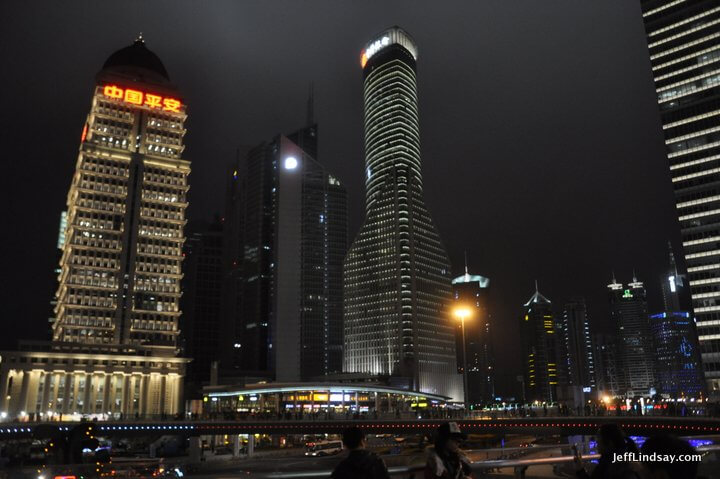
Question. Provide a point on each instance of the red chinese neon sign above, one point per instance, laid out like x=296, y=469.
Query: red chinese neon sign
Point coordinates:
x=139, y=98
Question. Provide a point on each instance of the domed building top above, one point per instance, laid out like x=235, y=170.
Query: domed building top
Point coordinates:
x=136, y=60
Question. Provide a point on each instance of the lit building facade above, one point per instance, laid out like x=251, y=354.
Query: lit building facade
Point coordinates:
x=397, y=274
x=471, y=291
x=606, y=370
x=677, y=355
x=294, y=237
x=120, y=271
x=635, y=351
x=542, y=351
x=579, y=362
x=684, y=51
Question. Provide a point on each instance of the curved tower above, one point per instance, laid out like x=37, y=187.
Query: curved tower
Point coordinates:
x=397, y=274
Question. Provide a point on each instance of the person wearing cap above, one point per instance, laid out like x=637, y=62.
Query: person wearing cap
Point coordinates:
x=446, y=460
x=360, y=463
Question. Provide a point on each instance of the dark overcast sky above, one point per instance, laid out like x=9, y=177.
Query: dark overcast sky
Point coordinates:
x=542, y=148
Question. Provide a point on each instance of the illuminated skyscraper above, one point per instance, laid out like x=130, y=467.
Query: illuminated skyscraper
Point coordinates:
x=293, y=215
x=579, y=362
x=114, y=347
x=635, y=358
x=471, y=291
x=684, y=47
x=397, y=274
x=542, y=351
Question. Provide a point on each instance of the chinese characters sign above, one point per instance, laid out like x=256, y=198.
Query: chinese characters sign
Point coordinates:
x=139, y=98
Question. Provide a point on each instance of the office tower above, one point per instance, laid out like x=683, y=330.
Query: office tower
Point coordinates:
x=635, y=360
x=606, y=370
x=685, y=58
x=541, y=349
x=579, y=362
x=677, y=351
x=294, y=234
x=115, y=333
x=677, y=354
x=201, y=302
x=397, y=274
x=471, y=291
x=57, y=270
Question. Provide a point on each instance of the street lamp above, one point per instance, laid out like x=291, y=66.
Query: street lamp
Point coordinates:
x=462, y=313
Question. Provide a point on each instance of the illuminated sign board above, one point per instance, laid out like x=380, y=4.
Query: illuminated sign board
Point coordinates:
x=139, y=98
x=373, y=48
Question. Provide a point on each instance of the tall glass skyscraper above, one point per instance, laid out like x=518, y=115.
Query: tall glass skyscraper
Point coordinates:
x=635, y=351
x=684, y=43
x=293, y=215
x=397, y=274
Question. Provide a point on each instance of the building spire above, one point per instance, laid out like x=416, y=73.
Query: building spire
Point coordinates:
x=311, y=105
x=634, y=276
x=466, y=268
x=673, y=264
x=536, y=287
x=613, y=277
x=140, y=38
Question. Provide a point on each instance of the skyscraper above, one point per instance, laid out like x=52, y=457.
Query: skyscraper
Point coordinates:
x=606, y=369
x=635, y=352
x=677, y=351
x=294, y=237
x=579, y=363
x=119, y=283
x=397, y=274
x=201, y=301
x=471, y=291
x=541, y=349
x=685, y=57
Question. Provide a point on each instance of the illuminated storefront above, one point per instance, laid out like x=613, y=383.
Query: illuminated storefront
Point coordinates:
x=303, y=398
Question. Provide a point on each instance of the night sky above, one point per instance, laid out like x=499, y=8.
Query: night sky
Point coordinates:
x=542, y=148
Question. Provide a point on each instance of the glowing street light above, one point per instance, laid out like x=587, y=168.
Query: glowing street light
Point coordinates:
x=462, y=313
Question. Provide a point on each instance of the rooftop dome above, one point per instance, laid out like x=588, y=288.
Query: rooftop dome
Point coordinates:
x=135, y=59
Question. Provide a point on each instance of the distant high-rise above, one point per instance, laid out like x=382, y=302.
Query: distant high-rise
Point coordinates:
x=677, y=351
x=294, y=239
x=606, y=368
x=397, y=274
x=471, y=291
x=541, y=349
x=635, y=353
x=684, y=50
x=202, y=298
x=677, y=354
x=579, y=363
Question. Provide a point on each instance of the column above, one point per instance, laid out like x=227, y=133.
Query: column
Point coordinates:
x=56, y=392
x=76, y=390
x=95, y=383
x=144, y=395
x=45, y=406
x=180, y=395
x=87, y=408
x=106, y=394
x=124, y=407
x=236, y=445
x=4, y=381
x=251, y=445
x=163, y=390
x=21, y=406
x=194, y=451
x=66, y=393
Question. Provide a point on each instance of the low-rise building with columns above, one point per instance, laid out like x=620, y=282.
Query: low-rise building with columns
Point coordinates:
x=47, y=380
